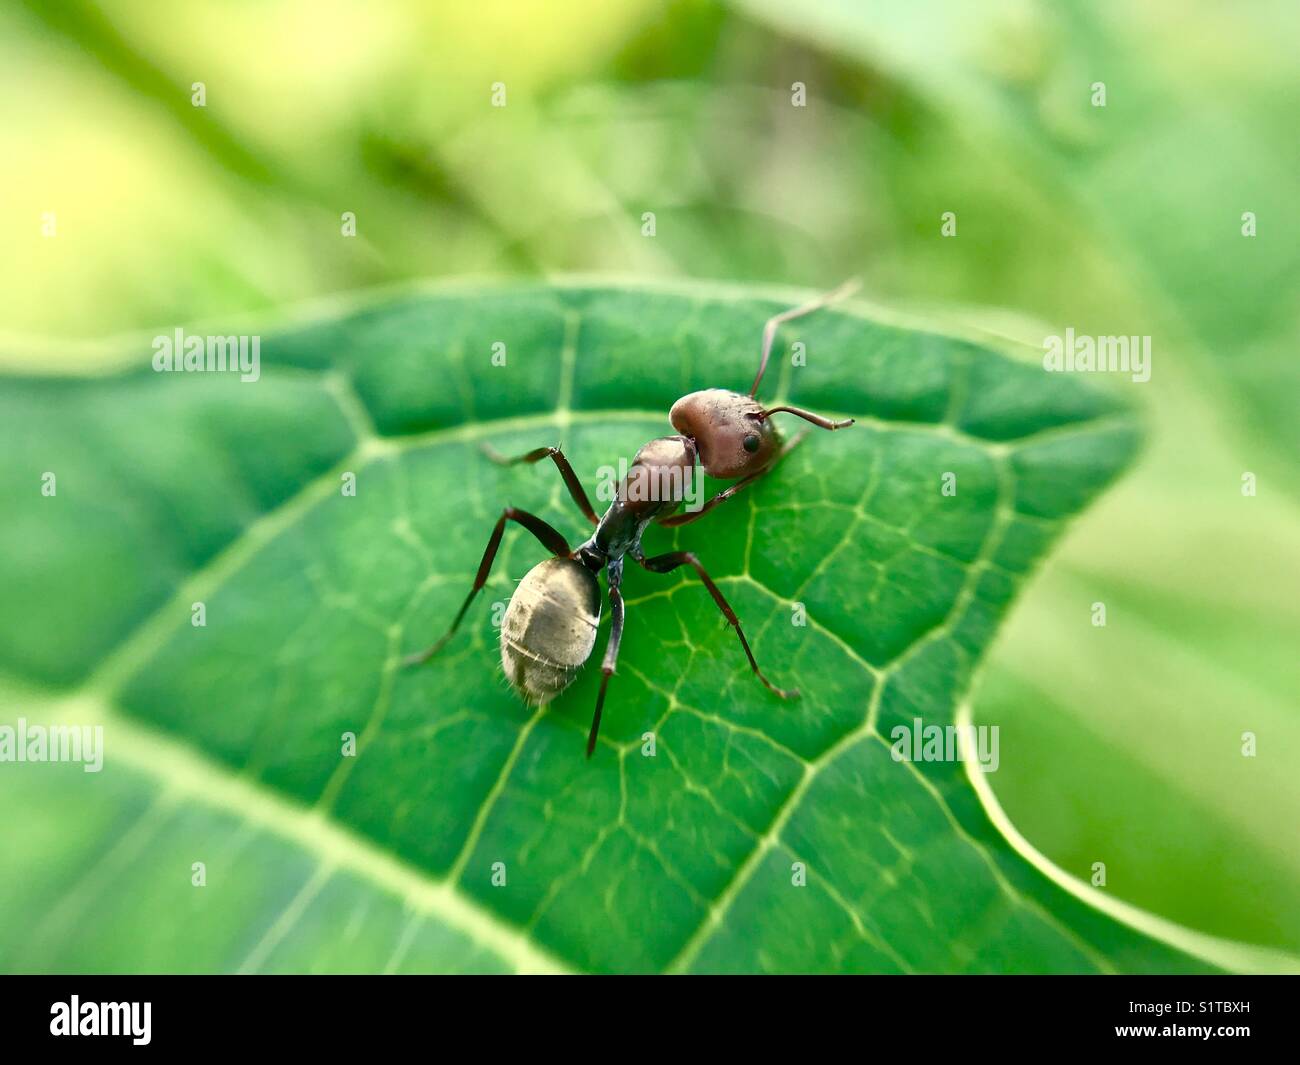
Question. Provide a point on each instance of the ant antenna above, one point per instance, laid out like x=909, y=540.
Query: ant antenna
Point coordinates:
x=806, y=415
x=769, y=330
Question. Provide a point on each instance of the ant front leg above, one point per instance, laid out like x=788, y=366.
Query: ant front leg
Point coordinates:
x=689, y=516
x=615, y=578
x=550, y=539
x=669, y=562
x=774, y=323
x=576, y=490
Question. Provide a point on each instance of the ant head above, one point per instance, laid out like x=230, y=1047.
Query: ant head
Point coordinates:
x=730, y=433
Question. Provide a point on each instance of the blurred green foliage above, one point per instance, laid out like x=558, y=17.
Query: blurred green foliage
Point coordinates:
x=1122, y=744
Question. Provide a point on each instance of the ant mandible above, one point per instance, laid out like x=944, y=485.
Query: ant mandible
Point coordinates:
x=549, y=628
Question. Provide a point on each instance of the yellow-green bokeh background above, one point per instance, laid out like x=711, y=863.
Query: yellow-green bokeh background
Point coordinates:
x=1119, y=744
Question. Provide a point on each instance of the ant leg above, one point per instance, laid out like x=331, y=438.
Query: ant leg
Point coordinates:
x=769, y=330
x=566, y=471
x=808, y=416
x=689, y=516
x=667, y=563
x=550, y=539
x=611, y=649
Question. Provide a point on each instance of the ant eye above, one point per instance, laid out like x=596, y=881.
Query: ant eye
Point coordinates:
x=751, y=443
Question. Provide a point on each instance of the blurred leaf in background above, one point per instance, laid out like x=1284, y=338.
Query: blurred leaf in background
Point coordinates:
x=1123, y=743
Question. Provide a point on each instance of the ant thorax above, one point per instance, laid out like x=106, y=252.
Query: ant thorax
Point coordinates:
x=662, y=472
x=661, y=475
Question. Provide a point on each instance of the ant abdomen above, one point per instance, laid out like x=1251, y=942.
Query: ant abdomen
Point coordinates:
x=733, y=437
x=549, y=628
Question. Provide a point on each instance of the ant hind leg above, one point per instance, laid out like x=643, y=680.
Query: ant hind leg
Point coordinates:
x=550, y=539
x=667, y=563
x=611, y=650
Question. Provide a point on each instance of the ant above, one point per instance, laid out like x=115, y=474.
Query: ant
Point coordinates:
x=549, y=628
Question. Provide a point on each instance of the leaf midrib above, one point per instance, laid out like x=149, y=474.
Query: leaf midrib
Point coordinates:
x=185, y=771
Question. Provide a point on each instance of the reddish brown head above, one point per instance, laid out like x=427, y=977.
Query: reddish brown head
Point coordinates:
x=730, y=433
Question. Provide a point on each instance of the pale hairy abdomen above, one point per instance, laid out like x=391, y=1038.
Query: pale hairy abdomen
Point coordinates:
x=549, y=628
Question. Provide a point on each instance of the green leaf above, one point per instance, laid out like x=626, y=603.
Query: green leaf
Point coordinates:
x=223, y=742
